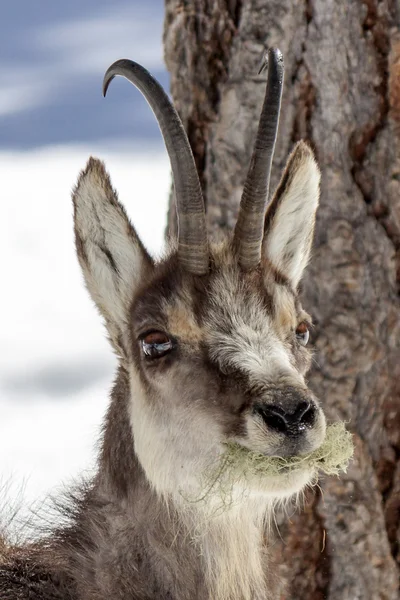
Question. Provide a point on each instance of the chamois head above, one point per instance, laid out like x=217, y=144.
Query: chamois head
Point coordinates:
x=213, y=336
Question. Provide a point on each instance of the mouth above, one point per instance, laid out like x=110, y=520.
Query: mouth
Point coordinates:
x=241, y=471
x=331, y=457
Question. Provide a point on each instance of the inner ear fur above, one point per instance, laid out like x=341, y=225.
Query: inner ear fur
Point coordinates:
x=290, y=217
x=112, y=257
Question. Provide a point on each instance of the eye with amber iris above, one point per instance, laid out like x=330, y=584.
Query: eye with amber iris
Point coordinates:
x=302, y=333
x=156, y=344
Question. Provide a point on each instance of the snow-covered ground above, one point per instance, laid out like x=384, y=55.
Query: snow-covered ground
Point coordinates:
x=56, y=367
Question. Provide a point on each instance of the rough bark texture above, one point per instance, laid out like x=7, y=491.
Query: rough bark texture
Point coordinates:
x=342, y=93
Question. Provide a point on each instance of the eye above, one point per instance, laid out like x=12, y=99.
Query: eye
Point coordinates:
x=156, y=344
x=302, y=333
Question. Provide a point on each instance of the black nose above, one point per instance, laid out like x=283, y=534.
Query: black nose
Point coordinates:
x=290, y=422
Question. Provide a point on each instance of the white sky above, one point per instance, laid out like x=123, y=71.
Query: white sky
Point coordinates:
x=56, y=367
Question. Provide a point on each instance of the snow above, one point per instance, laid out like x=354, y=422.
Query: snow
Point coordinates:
x=56, y=366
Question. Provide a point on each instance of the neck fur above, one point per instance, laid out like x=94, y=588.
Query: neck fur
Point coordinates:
x=190, y=552
x=233, y=553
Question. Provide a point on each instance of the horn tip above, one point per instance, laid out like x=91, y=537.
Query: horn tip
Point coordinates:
x=117, y=68
x=276, y=53
x=271, y=54
x=106, y=83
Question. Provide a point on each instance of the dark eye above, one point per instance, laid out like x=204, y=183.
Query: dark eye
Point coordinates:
x=156, y=344
x=302, y=333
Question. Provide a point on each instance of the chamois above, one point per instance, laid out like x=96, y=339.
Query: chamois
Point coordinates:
x=211, y=342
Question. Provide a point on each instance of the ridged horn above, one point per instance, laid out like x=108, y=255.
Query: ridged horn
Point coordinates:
x=250, y=223
x=193, y=250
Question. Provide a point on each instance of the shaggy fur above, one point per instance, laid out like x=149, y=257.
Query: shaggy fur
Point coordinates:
x=144, y=529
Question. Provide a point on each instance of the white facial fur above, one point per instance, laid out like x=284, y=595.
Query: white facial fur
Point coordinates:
x=177, y=435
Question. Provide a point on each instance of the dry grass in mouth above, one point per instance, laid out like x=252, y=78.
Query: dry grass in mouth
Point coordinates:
x=331, y=458
x=239, y=464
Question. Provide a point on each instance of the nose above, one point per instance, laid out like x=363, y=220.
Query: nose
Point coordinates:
x=292, y=420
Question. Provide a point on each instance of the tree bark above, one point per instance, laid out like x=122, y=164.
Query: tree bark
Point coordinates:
x=342, y=94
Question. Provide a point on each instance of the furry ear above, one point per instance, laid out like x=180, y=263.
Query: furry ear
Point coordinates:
x=290, y=217
x=111, y=255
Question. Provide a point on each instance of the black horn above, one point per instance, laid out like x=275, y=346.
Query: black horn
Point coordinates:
x=250, y=224
x=192, y=235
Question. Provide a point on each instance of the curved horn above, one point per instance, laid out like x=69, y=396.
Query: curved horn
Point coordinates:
x=192, y=235
x=250, y=224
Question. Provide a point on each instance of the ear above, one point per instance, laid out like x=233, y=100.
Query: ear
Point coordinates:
x=112, y=257
x=290, y=217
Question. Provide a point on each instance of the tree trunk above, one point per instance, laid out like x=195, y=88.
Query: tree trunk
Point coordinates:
x=342, y=94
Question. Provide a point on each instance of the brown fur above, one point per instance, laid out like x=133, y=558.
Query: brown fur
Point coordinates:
x=123, y=543
x=138, y=530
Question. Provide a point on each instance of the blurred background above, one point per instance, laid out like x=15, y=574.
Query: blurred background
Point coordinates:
x=56, y=367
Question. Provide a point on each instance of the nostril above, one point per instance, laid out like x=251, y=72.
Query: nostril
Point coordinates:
x=287, y=422
x=275, y=420
x=305, y=414
x=273, y=416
